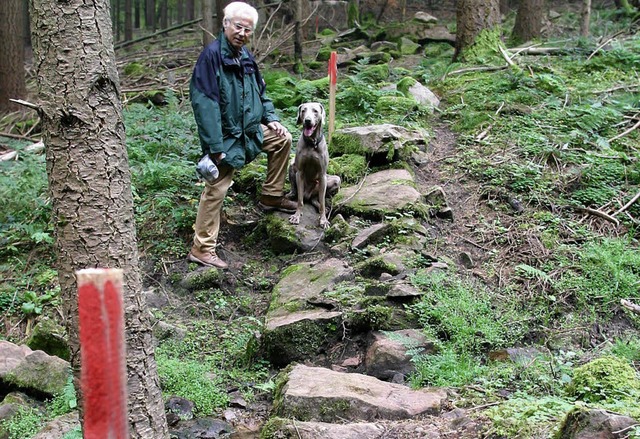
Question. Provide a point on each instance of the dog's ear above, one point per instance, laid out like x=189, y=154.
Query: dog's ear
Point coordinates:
x=299, y=121
x=322, y=114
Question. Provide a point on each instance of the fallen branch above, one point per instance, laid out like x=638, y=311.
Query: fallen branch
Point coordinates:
x=628, y=205
x=625, y=132
x=26, y=104
x=630, y=306
x=607, y=41
x=597, y=213
x=505, y=55
x=475, y=69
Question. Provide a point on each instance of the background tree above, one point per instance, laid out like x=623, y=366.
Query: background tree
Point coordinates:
x=473, y=17
x=150, y=14
x=585, y=15
x=12, y=73
x=207, y=22
x=528, y=24
x=90, y=181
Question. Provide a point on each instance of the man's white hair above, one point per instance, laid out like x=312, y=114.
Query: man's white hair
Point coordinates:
x=240, y=10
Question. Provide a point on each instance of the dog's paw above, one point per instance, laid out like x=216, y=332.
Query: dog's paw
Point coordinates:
x=324, y=222
x=295, y=218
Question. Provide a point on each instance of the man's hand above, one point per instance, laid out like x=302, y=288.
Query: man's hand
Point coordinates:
x=278, y=128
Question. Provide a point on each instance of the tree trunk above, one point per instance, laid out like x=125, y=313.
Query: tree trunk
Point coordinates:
x=164, y=14
x=150, y=15
x=528, y=25
x=136, y=14
x=191, y=11
x=207, y=22
x=128, y=20
x=90, y=181
x=472, y=17
x=217, y=20
x=180, y=11
x=586, y=18
x=12, y=81
x=297, y=40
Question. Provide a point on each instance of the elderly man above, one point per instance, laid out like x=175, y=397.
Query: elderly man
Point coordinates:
x=236, y=121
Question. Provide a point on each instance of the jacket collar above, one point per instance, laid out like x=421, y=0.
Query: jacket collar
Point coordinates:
x=229, y=54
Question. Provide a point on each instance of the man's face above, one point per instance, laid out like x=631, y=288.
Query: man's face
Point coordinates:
x=238, y=31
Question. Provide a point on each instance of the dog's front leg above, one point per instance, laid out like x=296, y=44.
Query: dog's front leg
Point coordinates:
x=322, y=192
x=295, y=218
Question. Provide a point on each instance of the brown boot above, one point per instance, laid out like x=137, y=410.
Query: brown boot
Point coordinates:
x=271, y=202
x=208, y=259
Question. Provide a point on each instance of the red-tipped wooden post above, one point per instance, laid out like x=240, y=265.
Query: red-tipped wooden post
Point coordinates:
x=102, y=353
x=333, y=81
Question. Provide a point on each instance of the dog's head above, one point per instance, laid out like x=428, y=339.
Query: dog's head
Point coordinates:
x=311, y=116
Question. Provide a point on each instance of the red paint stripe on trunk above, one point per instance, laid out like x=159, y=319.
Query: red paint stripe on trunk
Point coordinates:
x=103, y=371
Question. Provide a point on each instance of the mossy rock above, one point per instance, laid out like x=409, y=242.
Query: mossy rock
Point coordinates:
x=345, y=144
x=408, y=47
x=312, y=91
x=50, y=337
x=251, y=176
x=375, y=266
x=405, y=84
x=316, y=65
x=281, y=235
x=371, y=318
x=395, y=105
x=374, y=74
x=301, y=339
x=606, y=378
x=349, y=167
x=282, y=92
x=203, y=279
x=375, y=57
x=134, y=69
x=324, y=53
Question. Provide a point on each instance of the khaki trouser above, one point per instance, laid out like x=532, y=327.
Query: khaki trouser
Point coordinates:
x=207, y=224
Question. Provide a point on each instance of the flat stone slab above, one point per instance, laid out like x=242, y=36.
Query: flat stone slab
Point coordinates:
x=319, y=394
x=385, y=191
x=358, y=430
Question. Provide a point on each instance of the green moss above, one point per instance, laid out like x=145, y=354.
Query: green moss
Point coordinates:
x=405, y=84
x=395, y=105
x=203, y=279
x=484, y=47
x=374, y=74
x=375, y=266
x=371, y=318
x=134, y=69
x=297, y=341
x=275, y=428
x=281, y=234
x=606, y=378
x=49, y=336
x=331, y=410
x=342, y=144
x=324, y=54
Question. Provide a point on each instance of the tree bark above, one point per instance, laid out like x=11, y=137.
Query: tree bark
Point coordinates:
x=150, y=15
x=207, y=22
x=191, y=12
x=297, y=40
x=12, y=81
x=528, y=25
x=128, y=20
x=586, y=18
x=472, y=17
x=90, y=182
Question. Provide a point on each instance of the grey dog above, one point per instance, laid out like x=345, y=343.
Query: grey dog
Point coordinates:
x=308, y=174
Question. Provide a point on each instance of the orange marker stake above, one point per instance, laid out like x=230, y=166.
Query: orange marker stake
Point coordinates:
x=102, y=353
x=333, y=81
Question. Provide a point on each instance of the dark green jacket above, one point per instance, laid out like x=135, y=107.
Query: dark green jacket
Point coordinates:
x=229, y=103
